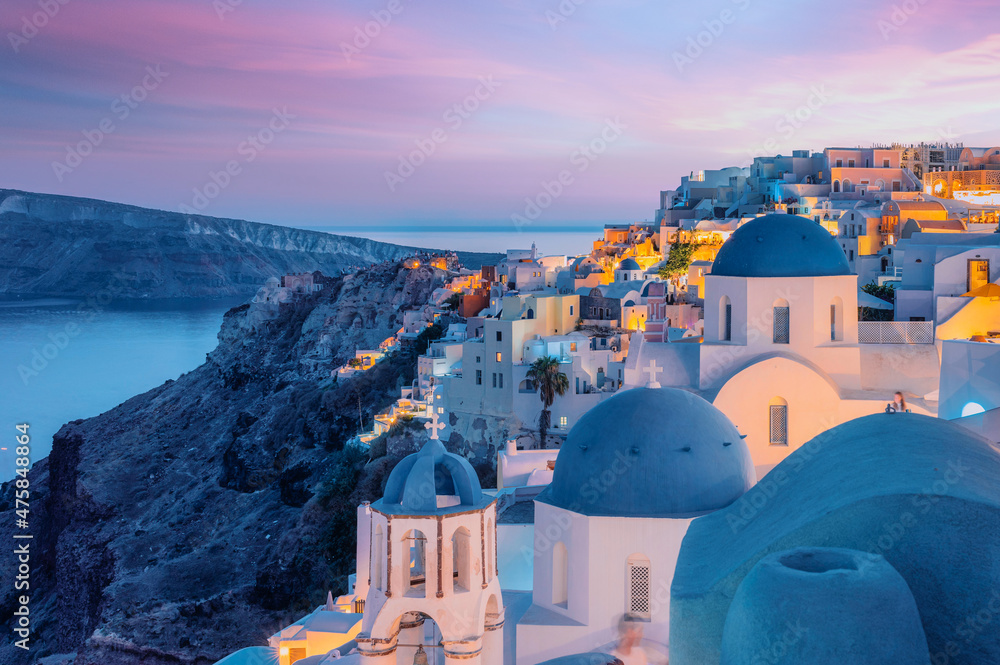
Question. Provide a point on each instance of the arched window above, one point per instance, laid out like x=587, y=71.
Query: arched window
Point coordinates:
x=560, y=575
x=377, y=556
x=781, y=322
x=526, y=386
x=637, y=585
x=836, y=185
x=415, y=573
x=461, y=557
x=725, y=319
x=848, y=187
x=837, y=320
x=778, y=422
x=531, y=313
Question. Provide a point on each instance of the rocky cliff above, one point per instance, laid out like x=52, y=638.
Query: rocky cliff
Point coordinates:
x=63, y=246
x=200, y=517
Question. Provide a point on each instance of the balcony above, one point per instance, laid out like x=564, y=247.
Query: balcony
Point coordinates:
x=896, y=332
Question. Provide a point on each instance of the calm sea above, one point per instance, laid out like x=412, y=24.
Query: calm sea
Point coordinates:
x=59, y=362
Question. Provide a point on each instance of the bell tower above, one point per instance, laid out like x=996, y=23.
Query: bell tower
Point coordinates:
x=433, y=593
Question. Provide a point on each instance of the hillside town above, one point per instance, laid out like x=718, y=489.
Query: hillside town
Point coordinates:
x=769, y=381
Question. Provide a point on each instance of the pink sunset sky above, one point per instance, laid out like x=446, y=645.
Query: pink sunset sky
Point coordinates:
x=873, y=71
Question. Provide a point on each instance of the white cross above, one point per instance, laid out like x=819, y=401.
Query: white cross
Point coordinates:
x=652, y=370
x=434, y=425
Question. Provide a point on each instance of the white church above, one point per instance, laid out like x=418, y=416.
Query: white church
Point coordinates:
x=633, y=474
x=781, y=354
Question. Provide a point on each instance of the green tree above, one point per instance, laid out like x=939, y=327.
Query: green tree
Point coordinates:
x=549, y=382
x=678, y=261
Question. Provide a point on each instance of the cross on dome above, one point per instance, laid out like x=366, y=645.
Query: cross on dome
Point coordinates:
x=434, y=425
x=652, y=370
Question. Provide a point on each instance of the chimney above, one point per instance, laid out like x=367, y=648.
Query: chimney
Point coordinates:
x=511, y=447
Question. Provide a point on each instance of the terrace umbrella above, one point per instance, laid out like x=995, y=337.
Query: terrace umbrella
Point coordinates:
x=866, y=299
x=985, y=291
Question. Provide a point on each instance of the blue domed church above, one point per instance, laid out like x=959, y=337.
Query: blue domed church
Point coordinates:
x=632, y=475
x=780, y=355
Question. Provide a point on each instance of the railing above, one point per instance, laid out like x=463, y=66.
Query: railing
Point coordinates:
x=896, y=332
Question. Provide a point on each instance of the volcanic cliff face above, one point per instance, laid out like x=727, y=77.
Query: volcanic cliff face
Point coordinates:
x=200, y=517
x=63, y=246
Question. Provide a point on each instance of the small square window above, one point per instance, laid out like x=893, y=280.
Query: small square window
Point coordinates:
x=563, y=422
x=440, y=409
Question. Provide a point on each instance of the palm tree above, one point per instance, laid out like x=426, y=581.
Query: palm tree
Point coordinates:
x=548, y=381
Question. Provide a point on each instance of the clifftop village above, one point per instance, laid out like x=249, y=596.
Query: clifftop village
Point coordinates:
x=643, y=398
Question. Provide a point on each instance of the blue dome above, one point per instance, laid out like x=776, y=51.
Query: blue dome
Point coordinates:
x=629, y=264
x=651, y=453
x=780, y=246
x=432, y=482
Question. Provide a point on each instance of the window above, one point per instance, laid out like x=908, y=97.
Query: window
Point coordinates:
x=637, y=584
x=851, y=257
x=414, y=575
x=563, y=422
x=781, y=326
x=979, y=273
x=572, y=346
x=840, y=163
x=479, y=377
x=499, y=357
x=461, y=564
x=479, y=359
x=837, y=320
x=571, y=310
x=500, y=376
x=725, y=319
x=494, y=379
x=499, y=336
x=850, y=163
x=778, y=422
x=836, y=185
x=560, y=575
x=440, y=409
x=885, y=163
